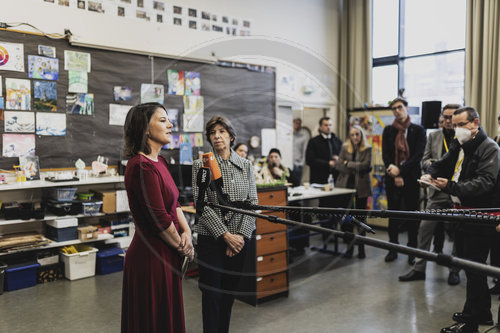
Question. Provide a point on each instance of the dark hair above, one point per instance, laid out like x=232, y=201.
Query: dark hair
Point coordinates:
x=471, y=112
x=451, y=106
x=322, y=119
x=274, y=150
x=136, y=128
x=398, y=99
x=239, y=144
x=219, y=120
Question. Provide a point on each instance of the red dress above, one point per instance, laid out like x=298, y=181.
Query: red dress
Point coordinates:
x=152, y=289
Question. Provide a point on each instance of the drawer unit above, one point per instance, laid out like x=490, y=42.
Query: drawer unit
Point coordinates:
x=271, y=284
x=271, y=263
x=266, y=267
x=271, y=243
x=265, y=227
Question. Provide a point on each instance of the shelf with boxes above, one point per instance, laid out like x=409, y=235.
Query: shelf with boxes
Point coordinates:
x=110, y=204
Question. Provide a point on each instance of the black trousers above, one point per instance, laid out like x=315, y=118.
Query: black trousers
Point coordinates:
x=219, y=279
x=478, y=301
x=403, y=198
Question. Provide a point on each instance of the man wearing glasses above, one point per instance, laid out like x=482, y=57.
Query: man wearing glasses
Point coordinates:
x=403, y=145
x=438, y=144
x=468, y=172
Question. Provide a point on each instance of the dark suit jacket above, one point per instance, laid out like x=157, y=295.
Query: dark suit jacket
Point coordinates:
x=410, y=169
x=318, y=158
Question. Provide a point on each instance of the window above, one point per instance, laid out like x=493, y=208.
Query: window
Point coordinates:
x=427, y=56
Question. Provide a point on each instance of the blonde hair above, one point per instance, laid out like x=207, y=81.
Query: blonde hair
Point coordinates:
x=363, y=145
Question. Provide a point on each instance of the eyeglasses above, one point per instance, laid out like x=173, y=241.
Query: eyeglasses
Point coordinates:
x=460, y=124
x=447, y=117
x=399, y=107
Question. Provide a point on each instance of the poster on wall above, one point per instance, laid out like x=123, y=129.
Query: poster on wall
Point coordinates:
x=122, y=93
x=15, y=145
x=365, y=122
x=18, y=94
x=47, y=51
x=82, y=104
x=77, y=82
x=193, y=114
x=175, y=82
x=45, y=95
x=173, y=117
x=192, y=83
x=19, y=122
x=11, y=57
x=118, y=114
x=152, y=93
x=50, y=124
x=76, y=61
x=43, y=68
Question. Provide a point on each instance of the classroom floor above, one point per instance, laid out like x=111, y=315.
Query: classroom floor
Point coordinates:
x=327, y=294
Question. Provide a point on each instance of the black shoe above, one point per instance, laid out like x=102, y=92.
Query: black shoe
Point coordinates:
x=391, y=256
x=361, y=253
x=495, y=290
x=411, y=260
x=460, y=328
x=466, y=317
x=413, y=275
x=453, y=278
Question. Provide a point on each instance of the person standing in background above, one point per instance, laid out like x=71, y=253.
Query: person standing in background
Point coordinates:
x=299, y=150
x=403, y=145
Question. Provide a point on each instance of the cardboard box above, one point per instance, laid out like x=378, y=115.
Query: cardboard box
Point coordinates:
x=87, y=233
x=108, y=198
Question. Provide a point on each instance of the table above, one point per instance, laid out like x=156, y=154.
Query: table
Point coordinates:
x=298, y=196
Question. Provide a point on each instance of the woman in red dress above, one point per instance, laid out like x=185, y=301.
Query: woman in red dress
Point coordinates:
x=152, y=289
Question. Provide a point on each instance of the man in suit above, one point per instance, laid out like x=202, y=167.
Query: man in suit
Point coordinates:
x=438, y=144
x=322, y=153
x=403, y=145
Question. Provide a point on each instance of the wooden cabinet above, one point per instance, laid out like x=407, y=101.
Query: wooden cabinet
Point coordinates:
x=266, y=268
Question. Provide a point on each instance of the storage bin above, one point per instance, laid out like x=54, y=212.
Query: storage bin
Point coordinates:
x=91, y=207
x=87, y=233
x=47, y=258
x=59, y=208
x=62, y=230
x=11, y=210
x=26, y=210
x=85, y=196
x=110, y=260
x=60, y=193
x=20, y=276
x=79, y=265
x=76, y=208
x=3, y=266
x=50, y=273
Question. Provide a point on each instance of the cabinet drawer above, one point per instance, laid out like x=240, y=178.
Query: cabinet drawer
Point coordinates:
x=271, y=284
x=272, y=198
x=271, y=264
x=265, y=227
x=271, y=243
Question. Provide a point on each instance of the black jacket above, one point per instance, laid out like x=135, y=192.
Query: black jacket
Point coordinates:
x=411, y=168
x=318, y=158
x=478, y=184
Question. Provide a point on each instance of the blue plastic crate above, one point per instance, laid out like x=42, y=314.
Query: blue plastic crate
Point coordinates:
x=110, y=260
x=20, y=276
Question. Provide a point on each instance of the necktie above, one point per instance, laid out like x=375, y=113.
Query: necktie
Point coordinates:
x=331, y=147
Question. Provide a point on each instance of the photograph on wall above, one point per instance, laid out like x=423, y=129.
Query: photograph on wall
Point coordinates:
x=77, y=82
x=141, y=14
x=175, y=82
x=50, y=124
x=11, y=57
x=177, y=21
x=159, y=5
x=173, y=117
x=159, y=18
x=30, y=166
x=217, y=28
x=63, y=3
x=193, y=114
x=246, y=24
x=77, y=61
x=192, y=83
x=82, y=104
x=43, y=68
x=122, y=93
x=205, y=26
x=198, y=139
x=118, y=113
x=17, y=94
x=121, y=11
x=81, y=4
x=205, y=15
x=152, y=93
x=193, y=25
x=15, y=145
x=96, y=6
x=19, y=122
x=192, y=12
x=225, y=19
x=187, y=138
x=177, y=10
x=47, y=51
x=192, y=140
x=44, y=95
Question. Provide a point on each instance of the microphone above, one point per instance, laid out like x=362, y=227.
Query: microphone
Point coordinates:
x=217, y=183
x=202, y=181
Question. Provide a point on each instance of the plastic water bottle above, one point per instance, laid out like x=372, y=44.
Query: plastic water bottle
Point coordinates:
x=331, y=184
